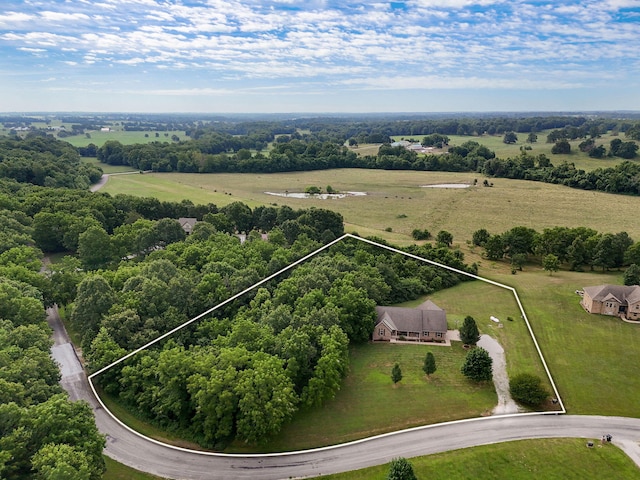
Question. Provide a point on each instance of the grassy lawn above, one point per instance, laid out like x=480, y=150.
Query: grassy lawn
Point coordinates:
x=590, y=356
x=447, y=395
x=557, y=458
x=118, y=471
x=471, y=298
x=106, y=168
x=392, y=194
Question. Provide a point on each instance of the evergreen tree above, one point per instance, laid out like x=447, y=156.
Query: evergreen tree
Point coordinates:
x=429, y=366
x=396, y=373
x=469, y=333
x=401, y=469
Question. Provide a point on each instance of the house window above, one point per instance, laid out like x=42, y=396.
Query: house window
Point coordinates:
x=381, y=332
x=439, y=335
x=426, y=334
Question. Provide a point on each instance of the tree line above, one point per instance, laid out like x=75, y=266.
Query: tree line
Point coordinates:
x=42, y=433
x=578, y=247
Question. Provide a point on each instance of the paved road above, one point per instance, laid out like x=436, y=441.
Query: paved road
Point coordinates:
x=143, y=454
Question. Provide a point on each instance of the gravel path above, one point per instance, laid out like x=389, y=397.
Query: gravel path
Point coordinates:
x=506, y=404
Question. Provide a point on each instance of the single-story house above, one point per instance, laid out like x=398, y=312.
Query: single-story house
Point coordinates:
x=615, y=300
x=187, y=224
x=425, y=323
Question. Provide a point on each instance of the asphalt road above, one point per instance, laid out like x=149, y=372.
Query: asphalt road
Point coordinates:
x=149, y=456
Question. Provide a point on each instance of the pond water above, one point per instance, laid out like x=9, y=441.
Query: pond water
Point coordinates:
x=322, y=196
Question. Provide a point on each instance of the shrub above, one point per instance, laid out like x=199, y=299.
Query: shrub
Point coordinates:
x=527, y=389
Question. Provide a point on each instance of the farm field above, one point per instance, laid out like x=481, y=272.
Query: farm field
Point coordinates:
x=503, y=150
x=106, y=168
x=557, y=458
x=395, y=200
x=125, y=137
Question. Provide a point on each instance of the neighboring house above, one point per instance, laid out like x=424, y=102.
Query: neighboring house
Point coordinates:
x=426, y=323
x=187, y=224
x=616, y=300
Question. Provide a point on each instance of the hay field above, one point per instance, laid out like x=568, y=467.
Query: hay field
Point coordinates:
x=396, y=200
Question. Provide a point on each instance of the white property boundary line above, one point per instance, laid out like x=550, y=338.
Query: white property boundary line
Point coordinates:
x=330, y=447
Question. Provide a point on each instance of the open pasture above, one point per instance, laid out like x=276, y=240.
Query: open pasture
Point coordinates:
x=125, y=137
x=503, y=150
x=395, y=200
x=106, y=168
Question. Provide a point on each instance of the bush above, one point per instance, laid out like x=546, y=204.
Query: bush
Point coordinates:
x=478, y=365
x=401, y=469
x=527, y=389
x=418, y=234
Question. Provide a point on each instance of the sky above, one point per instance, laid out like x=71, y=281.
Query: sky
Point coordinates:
x=323, y=56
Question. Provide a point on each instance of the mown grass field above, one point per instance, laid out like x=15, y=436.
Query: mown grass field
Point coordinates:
x=481, y=301
x=557, y=458
x=396, y=200
x=106, y=168
x=446, y=395
x=99, y=138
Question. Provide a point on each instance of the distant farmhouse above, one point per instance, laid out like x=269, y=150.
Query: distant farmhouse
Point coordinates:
x=426, y=323
x=616, y=300
x=414, y=147
x=187, y=224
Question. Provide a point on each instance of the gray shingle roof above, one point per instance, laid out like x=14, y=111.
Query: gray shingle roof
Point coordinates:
x=623, y=294
x=427, y=317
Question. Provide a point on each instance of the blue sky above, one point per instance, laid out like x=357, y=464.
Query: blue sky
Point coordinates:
x=245, y=56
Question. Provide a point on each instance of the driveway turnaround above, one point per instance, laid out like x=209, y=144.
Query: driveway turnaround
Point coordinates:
x=148, y=455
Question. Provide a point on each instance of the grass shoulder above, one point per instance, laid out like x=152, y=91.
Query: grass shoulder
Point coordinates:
x=544, y=458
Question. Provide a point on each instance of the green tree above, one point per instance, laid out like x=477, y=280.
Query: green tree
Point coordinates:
x=510, y=137
x=481, y=237
x=429, y=365
x=469, y=333
x=396, y=373
x=62, y=462
x=632, y=275
x=59, y=421
x=444, y=238
x=494, y=247
x=266, y=398
x=94, y=248
x=550, y=263
x=477, y=365
x=418, y=234
x=240, y=215
x=95, y=298
x=532, y=138
x=561, y=146
x=401, y=469
x=527, y=389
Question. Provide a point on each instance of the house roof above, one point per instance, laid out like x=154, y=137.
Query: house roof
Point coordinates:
x=622, y=294
x=187, y=222
x=428, y=317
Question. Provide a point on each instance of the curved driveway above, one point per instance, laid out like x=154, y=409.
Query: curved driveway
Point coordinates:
x=170, y=462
